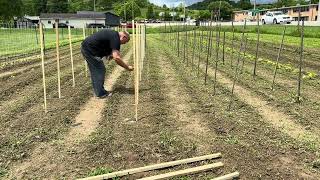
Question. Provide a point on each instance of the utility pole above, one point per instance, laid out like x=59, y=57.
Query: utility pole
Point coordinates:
x=184, y=19
x=318, y=12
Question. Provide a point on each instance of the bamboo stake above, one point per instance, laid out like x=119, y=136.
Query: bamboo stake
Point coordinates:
x=244, y=54
x=228, y=176
x=187, y=45
x=84, y=37
x=232, y=46
x=185, y=171
x=300, y=63
x=257, y=49
x=194, y=46
x=71, y=57
x=200, y=45
x=223, y=46
x=217, y=59
x=208, y=49
x=154, y=167
x=43, y=70
x=235, y=78
x=184, y=44
x=58, y=57
x=136, y=88
x=278, y=57
x=178, y=41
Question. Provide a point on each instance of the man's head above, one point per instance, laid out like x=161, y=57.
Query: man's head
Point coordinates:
x=124, y=37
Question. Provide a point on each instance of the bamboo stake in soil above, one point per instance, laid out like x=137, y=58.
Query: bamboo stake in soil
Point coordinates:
x=185, y=171
x=232, y=46
x=84, y=37
x=71, y=57
x=223, y=46
x=278, y=57
x=42, y=67
x=136, y=80
x=217, y=59
x=228, y=176
x=300, y=63
x=200, y=49
x=208, y=46
x=257, y=49
x=187, y=46
x=154, y=167
x=58, y=57
x=194, y=46
x=237, y=66
x=244, y=54
x=178, y=41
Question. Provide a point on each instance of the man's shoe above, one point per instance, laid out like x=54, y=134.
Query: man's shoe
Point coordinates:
x=105, y=95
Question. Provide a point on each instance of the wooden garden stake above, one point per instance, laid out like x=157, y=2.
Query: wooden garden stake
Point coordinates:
x=208, y=52
x=154, y=167
x=136, y=71
x=42, y=67
x=217, y=59
x=185, y=171
x=223, y=46
x=178, y=41
x=58, y=57
x=194, y=47
x=84, y=37
x=300, y=63
x=200, y=49
x=237, y=66
x=228, y=176
x=232, y=46
x=244, y=54
x=71, y=57
x=257, y=49
x=187, y=45
x=184, y=44
x=278, y=57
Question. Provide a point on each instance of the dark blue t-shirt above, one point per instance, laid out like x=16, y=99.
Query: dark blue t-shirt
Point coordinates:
x=102, y=43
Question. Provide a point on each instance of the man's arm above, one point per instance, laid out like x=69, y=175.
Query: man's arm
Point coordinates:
x=117, y=57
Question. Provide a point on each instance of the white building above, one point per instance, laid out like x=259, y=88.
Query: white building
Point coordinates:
x=81, y=19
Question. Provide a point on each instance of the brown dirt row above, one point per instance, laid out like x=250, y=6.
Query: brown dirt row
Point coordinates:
x=30, y=126
x=262, y=135
x=305, y=113
x=22, y=62
x=84, y=124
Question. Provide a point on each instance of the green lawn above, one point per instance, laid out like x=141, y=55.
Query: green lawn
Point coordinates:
x=20, y=41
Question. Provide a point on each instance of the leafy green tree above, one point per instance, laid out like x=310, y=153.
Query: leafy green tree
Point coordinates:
x=204, y=14
x=127, y=10
x=224, y=7
x=57, y=6
x=150, y=12
x=9, y=9
x=79, y=5
x=244, y=4
x=281, y=3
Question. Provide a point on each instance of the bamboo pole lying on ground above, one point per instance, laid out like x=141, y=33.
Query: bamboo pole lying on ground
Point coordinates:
x=71, y=57
x=185, y=171
x=58, y=57
x=42, y=67
x=154, y=167
x=228, y=176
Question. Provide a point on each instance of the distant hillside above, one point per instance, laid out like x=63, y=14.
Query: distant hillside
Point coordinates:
x=204, y=4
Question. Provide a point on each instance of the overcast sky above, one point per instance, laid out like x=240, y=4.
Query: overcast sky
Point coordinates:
x=171, y=3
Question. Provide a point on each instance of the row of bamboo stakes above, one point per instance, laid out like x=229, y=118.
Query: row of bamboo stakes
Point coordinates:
x=172, y=174
x=58, y=60
x=138, y=45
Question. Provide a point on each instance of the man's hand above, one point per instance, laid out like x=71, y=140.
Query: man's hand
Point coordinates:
x=130, y=68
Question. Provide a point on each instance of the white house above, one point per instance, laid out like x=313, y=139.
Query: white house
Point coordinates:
x=81, y=19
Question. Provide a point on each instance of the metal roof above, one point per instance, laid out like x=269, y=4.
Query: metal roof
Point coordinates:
x=72, y=16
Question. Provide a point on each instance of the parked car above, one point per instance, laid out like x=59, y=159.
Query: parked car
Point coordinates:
x=276, y=17
x=62, y=25
x=129, y=25
x=96, y=25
